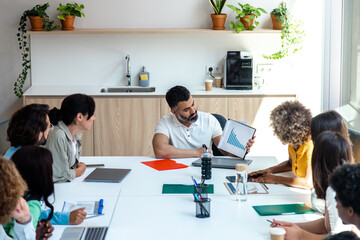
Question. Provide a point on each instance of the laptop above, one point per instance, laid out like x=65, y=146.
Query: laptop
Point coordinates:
x=107, y=175
x=223, y=162
x=84, y=233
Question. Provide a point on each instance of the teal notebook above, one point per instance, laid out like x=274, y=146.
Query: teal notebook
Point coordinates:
x=182, y=189
x=283, y=209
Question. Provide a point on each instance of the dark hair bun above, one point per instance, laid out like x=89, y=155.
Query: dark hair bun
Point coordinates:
x=55, y=115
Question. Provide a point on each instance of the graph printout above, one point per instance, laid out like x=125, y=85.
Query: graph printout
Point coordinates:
x=235, y=137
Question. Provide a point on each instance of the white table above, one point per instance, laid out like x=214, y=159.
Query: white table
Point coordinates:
x=137, y=209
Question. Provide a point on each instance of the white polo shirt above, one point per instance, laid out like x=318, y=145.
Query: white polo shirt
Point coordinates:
x=200, y=132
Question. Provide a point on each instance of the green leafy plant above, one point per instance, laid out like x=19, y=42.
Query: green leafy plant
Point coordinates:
x=38, y=10
x=281, y=13
x=292, y=33
x=70, y=9
x=246, y=9
x=217, y=5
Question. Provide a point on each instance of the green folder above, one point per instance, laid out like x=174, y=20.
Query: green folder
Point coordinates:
x=283, y=209
x=182, y=188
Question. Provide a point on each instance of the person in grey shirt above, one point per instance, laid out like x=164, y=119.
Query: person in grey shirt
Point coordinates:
x=75, y=115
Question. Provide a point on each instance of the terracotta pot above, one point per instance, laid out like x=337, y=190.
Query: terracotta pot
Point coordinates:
x=36, y=23
x=275, y=22
x=245, y=23
x=68, y=24
x=218, y=21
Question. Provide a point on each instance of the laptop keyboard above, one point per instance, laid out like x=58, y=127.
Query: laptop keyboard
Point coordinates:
x=96, y=233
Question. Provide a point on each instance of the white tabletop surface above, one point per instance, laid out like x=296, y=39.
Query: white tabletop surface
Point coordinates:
x=136, y=208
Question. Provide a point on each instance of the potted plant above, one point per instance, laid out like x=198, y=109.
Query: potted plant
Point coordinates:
x=217, y=17
x=246, y=15
x=39, y=21
x=292, y=33
x=69, y=12
x=279, y=16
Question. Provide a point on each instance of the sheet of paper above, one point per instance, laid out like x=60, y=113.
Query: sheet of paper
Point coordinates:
x=165, y=164
x=253, y=188
x=71, y=206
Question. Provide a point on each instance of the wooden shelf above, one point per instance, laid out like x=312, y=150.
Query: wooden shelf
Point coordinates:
x=155, y=31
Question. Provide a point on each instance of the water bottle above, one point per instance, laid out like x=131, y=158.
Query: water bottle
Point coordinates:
x=206, y=164
x=241, y=181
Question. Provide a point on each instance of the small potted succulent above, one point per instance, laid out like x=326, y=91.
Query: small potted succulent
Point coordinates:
x=246, y=15
x=217, y=17
x=279, y=16
x=39, y=21
x=68, y=13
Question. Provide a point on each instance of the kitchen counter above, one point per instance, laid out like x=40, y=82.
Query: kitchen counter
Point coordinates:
x=160, y=91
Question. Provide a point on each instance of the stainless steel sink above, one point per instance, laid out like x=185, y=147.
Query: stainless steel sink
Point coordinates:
x=127, y=89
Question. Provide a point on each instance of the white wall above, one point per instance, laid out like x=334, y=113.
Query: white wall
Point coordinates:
x=170, y=59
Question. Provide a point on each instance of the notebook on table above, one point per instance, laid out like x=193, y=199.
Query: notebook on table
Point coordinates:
x=107, y=175
x=84, y=233
x=223, y=162
x=283, y=209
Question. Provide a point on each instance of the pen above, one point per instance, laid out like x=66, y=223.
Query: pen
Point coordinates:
x=265, y=186
x=269, y=221
x=198, y=197
x=101, y=206
x=196, y=184
x=92, y=216
x=273, y=222
x=202, y=183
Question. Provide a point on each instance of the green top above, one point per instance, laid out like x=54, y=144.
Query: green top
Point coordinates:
x=35, y=211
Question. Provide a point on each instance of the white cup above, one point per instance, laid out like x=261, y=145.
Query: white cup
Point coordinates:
x=208, y=84
x=277, y=233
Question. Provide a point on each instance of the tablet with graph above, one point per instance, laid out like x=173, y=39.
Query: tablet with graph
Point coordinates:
x=235, y=136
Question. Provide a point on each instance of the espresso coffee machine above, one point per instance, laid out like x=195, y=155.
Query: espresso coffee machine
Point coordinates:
x=238, y=70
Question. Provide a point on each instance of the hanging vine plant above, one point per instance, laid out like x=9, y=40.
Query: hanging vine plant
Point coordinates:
x=292, y=33
x=48, y=25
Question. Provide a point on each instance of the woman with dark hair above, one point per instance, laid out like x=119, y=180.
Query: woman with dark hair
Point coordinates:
x=326, y=121
x=329, y=121
x=330, y=150
x=12, y=187
x=75, y=115
x=34, y=164
x=291, y=123
x=29, y=125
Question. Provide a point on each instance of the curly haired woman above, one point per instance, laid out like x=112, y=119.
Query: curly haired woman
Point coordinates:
x=291, y=123
x=12, y=205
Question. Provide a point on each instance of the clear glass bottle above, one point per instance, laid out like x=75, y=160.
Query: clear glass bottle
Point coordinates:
x=241, y=181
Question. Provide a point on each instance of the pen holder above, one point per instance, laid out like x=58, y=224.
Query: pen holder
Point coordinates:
x=203, y=208
x=203, y=191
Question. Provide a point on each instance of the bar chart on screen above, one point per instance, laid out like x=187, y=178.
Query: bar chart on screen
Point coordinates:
x=235, y=137
x=234, y=141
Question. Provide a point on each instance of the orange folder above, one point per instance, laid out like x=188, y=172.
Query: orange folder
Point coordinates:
x=165, y=164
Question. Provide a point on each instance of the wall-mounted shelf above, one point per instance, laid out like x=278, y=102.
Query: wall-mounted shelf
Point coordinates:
x=155, y=31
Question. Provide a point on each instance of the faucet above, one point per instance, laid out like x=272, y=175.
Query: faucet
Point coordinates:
x=128, y=74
